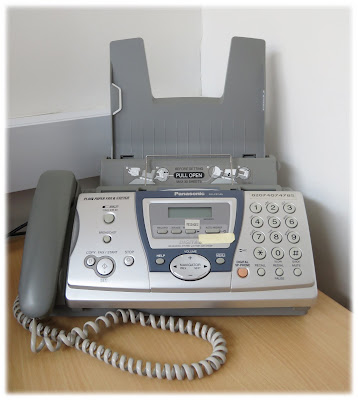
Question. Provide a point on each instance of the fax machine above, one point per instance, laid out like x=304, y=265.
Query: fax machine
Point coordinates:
x=188, y=219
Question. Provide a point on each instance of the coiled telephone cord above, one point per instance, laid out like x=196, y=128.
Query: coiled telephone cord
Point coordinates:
x=53, y=338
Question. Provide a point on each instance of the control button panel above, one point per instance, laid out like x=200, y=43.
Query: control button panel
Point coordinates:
x=274, y=244
x=190, y=267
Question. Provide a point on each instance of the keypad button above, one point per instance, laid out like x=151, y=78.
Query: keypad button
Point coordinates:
x=295, y=253
x=275, y=237
x=260, y=253
x=162, y=231
x=90, y=261
x=176, y=231
x=128, y=261
x=159, y=261
x=289, y=208
x=274, y=222
x=291, y=222
x=108, y=218
x=107, y=238
x=257, y=222
x=255, y=207
x=297, y=272
x=242, y=272
x=279, y=271
x=293, y=237
x=220, y=260
x=258, y=237
x=272, y=208
x=261, y=272
x=105, y=266
x=277, y=253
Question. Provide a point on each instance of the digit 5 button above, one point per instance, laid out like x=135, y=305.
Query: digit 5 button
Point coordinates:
x=274, y=222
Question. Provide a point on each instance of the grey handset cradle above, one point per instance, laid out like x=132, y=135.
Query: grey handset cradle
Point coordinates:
x=188, y=218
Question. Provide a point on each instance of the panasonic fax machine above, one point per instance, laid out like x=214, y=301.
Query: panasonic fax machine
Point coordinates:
x=188, y=219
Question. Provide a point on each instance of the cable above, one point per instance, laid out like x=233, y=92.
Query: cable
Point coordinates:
x=52, y=338
x=14, y=231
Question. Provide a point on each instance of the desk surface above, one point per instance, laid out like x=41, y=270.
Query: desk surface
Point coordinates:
x=266, y=354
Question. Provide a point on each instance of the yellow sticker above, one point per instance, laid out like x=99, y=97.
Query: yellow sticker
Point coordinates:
x=216, y=238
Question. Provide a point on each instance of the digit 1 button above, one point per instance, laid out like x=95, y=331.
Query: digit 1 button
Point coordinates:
x=108, y=218
x=295, y=253
x=293, y=237
x=255, y=207
x=272, y=208
x=257, y=222
x=274, y=222
x=275, y=237
x=291, y=222
x=260, y=253
x=277, y=253
x=258, y=237
x=289, y=208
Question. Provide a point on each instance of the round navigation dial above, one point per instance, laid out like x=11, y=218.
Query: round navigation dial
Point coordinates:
x=190, y=267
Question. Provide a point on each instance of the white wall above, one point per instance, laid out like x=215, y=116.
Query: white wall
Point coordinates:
x=307, y=115
x=58, y=58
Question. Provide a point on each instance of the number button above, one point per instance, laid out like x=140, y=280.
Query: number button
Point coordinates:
x=289, y=208
x=260, y=253
x=295, y=253
x=293, y=237
x=258, y=237
x=255, y=208
x=275, y=237
x=277, y=253
x=257, y=222
x=291, y=222
x=272, y=208
x=274, y=222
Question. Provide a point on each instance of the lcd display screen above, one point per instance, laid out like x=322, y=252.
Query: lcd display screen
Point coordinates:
x=190, y=212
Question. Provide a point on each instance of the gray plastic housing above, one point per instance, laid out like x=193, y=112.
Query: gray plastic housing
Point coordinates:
x=233, y=124
x=45, y=240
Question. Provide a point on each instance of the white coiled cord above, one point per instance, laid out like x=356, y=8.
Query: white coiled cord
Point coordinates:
x=52, y=338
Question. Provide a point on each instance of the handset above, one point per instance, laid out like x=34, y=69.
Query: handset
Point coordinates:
x=44, y=243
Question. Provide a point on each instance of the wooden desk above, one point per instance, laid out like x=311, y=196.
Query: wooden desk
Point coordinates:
x=266, y=354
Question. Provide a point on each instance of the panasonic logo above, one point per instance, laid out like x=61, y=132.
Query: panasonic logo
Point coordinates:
x=189, y=194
